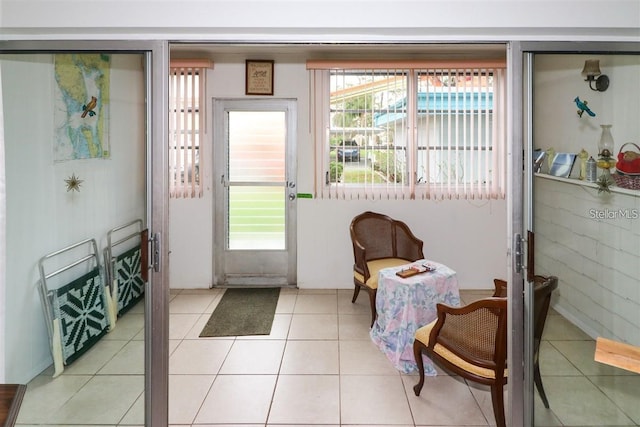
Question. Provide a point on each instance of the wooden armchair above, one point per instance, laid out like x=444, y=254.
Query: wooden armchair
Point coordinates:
x=542, y=289
x=379, y=242
x=500, y=286
x=470, y=341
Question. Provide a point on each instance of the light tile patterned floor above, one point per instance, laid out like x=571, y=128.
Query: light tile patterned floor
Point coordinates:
x=317, y=367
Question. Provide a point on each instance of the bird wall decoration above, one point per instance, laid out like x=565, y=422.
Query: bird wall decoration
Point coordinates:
x=582, y=107
x=88, y=109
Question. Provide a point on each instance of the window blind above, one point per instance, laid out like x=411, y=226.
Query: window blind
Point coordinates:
x=427, y=131
x=461, y=134
x=187, y=88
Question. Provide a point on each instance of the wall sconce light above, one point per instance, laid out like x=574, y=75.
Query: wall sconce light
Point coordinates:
x=591, y=73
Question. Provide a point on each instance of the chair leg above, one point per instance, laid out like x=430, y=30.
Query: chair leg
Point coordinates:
x=497, y=398
x=372, y=301
x=417, y=355
x=537, y=379
x=356, y=291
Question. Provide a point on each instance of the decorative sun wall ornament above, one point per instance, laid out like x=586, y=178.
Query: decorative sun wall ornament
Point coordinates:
x=604, y=182
x=73, y=183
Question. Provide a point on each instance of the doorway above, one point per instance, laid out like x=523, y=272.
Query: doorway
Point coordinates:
x=255, y=197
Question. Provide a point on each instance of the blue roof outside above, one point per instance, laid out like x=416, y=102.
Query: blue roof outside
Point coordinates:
x=438, y=102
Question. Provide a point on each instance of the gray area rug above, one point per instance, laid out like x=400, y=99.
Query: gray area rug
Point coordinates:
x=243, y=312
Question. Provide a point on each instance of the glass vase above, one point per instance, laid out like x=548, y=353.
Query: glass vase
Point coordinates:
x=605, y=144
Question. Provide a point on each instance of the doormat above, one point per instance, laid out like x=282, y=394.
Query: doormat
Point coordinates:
x=243, y=312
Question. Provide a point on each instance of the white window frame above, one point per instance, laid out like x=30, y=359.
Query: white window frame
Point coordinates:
x=410, y=187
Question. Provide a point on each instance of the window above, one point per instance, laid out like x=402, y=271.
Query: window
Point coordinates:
x=409, y=130
x=186, y=126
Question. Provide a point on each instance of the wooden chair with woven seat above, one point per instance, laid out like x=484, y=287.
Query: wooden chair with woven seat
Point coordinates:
x=543, y=287
x=470, y=341
x=542, y=290
x=379, y=241
x=500, y=286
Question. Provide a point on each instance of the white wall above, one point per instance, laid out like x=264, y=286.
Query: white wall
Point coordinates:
x=558, y=81
x=596, y=259
x=469, y=236
x=42, y=216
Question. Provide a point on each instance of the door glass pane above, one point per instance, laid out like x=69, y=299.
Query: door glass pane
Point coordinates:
x=75, y=165
x=256, y=155
x=257, y=146
x=257, y=218
x=587, y=237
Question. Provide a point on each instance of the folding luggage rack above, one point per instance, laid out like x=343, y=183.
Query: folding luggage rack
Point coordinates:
x=75, y=311
x=123, y=265
x=82, y=300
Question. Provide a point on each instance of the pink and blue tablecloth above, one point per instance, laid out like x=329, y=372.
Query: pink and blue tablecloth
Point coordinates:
x=404, y=305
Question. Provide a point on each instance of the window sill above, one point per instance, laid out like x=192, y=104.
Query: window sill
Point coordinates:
x=573, y=181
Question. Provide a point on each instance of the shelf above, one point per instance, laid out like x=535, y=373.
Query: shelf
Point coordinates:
x=593, y=185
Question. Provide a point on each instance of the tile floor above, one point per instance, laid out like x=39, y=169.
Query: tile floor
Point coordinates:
x=317, y=367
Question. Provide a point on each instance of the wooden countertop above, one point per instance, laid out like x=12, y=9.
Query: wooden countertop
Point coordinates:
x=620, y=355
x=10, y=400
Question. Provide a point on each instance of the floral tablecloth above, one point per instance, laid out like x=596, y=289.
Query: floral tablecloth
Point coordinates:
x=404, y=305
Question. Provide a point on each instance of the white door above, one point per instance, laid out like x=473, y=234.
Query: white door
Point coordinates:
x=255, y=197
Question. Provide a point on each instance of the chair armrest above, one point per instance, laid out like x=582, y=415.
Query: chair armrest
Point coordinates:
x=500, y=288
x=360, y=260
x=539, y=280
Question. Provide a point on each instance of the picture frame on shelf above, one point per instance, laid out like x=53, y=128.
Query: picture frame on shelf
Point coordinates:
x=259, y=77
x=562, y=164
x=538, y=160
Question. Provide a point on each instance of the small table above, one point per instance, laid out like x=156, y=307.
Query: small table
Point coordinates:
x=404, y=305
x=10, y=400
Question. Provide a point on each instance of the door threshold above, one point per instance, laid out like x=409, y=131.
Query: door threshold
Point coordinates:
x=254, y=285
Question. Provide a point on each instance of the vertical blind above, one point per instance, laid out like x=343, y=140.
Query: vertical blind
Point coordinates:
x=187, y=116
x=423, y=130
x=461, y=133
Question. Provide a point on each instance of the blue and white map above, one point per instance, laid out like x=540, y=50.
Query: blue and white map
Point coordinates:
x=81, y=106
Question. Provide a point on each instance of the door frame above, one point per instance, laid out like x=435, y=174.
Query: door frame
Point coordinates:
x=156, y=72
x=515, y=352
x=521, y=220
x=220, y=106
